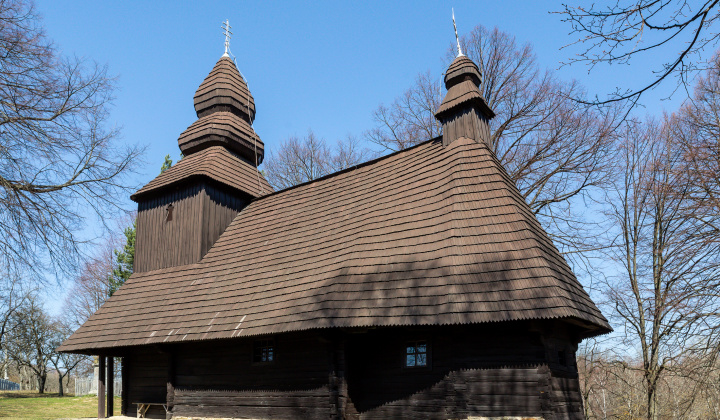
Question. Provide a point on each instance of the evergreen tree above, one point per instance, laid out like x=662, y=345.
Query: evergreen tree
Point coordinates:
x=125, y=259
x=166, y=164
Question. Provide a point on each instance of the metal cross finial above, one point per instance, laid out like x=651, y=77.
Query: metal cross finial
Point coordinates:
x=456, y=35
x=226, y=31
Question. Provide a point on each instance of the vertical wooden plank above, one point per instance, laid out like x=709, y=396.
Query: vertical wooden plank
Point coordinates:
x=124, y=376
x=337, y=381
x=101, y=388
x=170, y=385
x=110, y=385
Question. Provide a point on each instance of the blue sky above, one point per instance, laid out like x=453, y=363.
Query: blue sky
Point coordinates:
x=322, y=65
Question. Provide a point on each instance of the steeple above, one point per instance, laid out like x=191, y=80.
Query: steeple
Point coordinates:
x=185, y=209
x=226, y=110
x=463, y=112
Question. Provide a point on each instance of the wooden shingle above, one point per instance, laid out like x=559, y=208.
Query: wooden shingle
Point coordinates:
x=431, y=235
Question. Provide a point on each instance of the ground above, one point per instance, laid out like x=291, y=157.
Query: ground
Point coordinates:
x=31, y=405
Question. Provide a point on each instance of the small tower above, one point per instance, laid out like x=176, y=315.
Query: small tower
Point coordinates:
x=183, y=211
x=464, y=112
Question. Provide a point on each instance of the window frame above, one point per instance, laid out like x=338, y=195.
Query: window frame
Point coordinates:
x=414, y=344
x=263, y=345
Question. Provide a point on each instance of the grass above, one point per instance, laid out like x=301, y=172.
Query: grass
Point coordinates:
x=31, y=405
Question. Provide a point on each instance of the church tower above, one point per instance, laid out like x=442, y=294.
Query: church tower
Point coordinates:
x=464, y=112
x=183, y=211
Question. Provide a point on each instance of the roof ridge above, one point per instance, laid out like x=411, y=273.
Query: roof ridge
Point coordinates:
x=351, y=168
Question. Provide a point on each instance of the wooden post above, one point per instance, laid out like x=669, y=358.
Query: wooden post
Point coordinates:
x=124, y=390
x=338, y=383
x=170, y=384
x=110, y=385
x=101, y=388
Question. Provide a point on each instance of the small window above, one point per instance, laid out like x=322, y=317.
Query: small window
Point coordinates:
x=169, y=212
x=264, y=351
x=416, y=354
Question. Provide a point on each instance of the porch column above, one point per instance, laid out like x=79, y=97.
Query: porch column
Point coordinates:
x=338, y=382
x=170, y=399
x=101, y=388
x=124, y=390
x=110, y=385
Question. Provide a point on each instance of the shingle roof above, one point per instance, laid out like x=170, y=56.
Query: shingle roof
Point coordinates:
x=226, y=129
x=216, y=163
x=224, y=86
x=459, y=94
x=459, y=69
x=427, y=236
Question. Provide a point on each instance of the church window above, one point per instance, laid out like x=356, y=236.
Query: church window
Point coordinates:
x=416, y=354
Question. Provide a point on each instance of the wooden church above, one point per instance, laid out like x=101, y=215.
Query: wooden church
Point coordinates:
x=415, y=286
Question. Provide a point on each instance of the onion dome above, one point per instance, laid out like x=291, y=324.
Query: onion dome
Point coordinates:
x=460, y=70
x=224, y=89
x=226, y=110
x=462, y=81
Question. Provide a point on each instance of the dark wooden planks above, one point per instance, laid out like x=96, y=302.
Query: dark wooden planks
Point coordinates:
x=200, y=213
x=110, y=386
x=474, y=371
x=101, y=387
x=124, y=392
x=467, y=122
x=221, y=380
x=146, y=376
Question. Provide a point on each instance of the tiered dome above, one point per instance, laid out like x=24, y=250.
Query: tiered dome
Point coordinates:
x=224, y=89
x=226, y=110
x=462, y=81
x=461, y=69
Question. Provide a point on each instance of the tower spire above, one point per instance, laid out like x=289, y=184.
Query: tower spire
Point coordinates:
x=460, y=53
x=226, y=31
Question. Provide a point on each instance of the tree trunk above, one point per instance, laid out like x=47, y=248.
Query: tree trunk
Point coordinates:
x=60, y=389
x=41, y=383
x=651, y=403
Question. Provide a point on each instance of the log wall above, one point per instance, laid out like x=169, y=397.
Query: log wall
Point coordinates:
x=200, y=213
x=145, y=380
x=474, y=371
x=221, y=380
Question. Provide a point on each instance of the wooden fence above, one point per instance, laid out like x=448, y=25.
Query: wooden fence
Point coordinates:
x=6, y=385
x=83, y=386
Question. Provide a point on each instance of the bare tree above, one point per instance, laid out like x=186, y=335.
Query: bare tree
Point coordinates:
x=90, y=288
x=665, y=295
x=64, y=363
x=33, y=343
x=410, y=119
x=698, y=131
x=14, y=293
x=58, y=161
x=678, y=31
x=299, y=160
